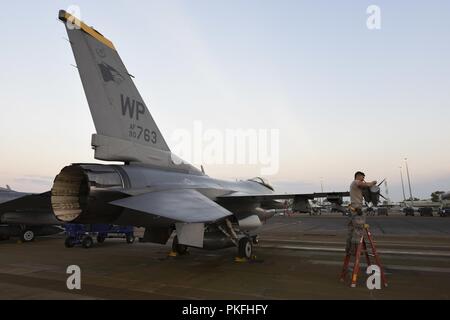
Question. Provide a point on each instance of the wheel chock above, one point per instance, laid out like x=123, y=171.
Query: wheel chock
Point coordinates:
x=173, y=254
x=239, y=259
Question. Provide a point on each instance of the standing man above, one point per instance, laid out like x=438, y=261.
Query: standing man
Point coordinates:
x=357, y=218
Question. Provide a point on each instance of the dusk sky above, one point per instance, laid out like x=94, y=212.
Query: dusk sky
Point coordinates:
x=342, y=97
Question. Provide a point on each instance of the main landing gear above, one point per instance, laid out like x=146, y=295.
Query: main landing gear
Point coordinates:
x=177, y=248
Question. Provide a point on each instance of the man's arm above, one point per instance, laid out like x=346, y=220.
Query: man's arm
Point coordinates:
x=363, y=184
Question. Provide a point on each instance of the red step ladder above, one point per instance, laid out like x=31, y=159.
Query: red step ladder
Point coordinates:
x=362, y=247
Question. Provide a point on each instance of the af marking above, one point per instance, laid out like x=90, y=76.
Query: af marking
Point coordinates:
x=138, y=132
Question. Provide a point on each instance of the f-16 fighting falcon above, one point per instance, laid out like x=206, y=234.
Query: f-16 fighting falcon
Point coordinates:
x=153, y=188
x=26, y=215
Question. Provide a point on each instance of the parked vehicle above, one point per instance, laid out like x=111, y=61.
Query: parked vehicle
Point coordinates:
x=408, y=211
x=425, y=211
x=84, y=234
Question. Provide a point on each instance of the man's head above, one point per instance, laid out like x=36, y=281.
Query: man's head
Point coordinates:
x=359, y=176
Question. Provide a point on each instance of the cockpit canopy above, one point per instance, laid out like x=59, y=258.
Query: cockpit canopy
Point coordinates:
x=262, y=182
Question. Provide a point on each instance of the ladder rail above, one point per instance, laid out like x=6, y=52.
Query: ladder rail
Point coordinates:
x=362, y=246
x=376, y=256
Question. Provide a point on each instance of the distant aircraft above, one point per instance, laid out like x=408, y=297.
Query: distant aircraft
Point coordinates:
x=444, y=209
x=26, y=215
x=153, y=188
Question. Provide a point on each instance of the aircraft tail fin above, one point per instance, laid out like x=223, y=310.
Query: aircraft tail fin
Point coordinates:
x=116, y=106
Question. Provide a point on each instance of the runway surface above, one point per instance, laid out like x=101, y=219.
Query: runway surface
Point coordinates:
x=299, y=257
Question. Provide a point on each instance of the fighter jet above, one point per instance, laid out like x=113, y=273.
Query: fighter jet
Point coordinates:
x=153, y=188
x=26, y=215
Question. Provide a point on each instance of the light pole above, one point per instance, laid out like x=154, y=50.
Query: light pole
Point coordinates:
x=321, y=187
x=388, y=200
x=403, y=186
x=409, y=183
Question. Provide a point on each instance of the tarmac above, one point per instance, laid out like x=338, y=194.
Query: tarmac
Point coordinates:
x=298, y=257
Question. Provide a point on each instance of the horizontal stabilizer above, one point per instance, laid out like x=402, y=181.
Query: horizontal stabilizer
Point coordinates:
x=30, y=202
x=180, y=205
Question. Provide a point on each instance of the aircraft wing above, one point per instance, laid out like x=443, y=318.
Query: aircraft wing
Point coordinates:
x=179, y=205
x=269, y=201
x=282, y=196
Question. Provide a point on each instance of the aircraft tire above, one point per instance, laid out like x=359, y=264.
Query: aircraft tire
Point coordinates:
x=27, y=235
x=181, y=249
x=69, y=242
x=130, y=239
x=245, y=249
